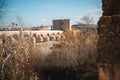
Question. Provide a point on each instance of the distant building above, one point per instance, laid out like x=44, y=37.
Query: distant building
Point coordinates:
x=86, y=27
x=46, y=27
x=62, y=24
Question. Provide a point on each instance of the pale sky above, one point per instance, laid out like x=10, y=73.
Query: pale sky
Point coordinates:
x=42, y=12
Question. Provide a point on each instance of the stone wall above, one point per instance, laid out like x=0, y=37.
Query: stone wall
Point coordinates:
x=111, y=7
x=109, y=71
x=109, y=41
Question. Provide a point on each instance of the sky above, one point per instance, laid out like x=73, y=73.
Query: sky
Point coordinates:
x=42, y=12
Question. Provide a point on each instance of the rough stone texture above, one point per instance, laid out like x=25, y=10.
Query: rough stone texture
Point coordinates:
x=109, y=41
x=111, y=7
x=109, y=72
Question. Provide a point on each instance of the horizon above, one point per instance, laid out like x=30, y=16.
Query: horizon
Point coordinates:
x=42, y=12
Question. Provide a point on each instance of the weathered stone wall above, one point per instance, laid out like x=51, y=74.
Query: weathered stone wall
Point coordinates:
x=109, y=71
x=111, y=7
x=109, y=41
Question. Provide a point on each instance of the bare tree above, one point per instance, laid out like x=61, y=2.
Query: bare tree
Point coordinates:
x=87, y=19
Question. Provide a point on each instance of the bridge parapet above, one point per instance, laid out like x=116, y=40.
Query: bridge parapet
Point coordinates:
x=37, y=36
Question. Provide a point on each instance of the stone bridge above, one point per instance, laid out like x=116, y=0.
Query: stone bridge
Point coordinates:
x=38, y=36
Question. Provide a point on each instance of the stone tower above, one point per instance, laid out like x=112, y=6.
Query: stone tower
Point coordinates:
x=62, y=24
x=109, y=41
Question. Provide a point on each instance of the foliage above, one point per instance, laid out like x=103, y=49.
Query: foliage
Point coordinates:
x=20, y=59
x=16, y=59
x=77, y=49
x=73, y=59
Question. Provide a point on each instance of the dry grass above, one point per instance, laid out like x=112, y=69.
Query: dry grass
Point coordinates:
x=16, y=59
x=77, y=49
x=26, y=61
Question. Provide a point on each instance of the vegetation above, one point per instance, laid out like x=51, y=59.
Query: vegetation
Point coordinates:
x=77, y=49
x=16, y=59
x=76, y=55
x=73, y=59
x=87, y=20
x=20, y=59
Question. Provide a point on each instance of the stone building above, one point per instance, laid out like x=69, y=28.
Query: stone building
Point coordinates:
x=62, y=24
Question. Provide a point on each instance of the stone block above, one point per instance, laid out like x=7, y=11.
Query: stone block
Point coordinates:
x=110, y=7
x=108, y=50
x=109, y=41
x=108, y=71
